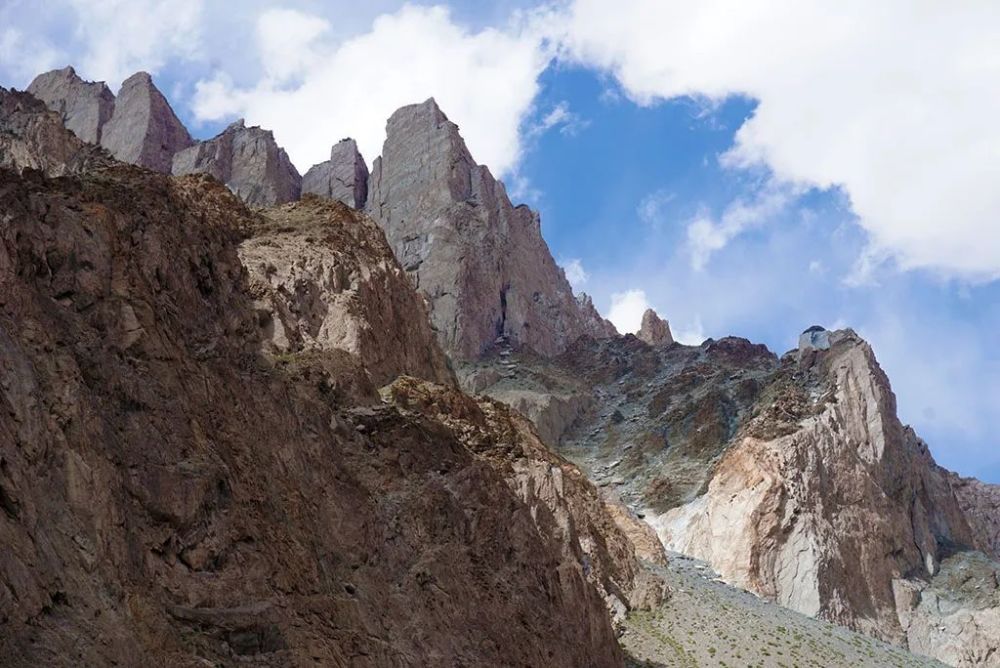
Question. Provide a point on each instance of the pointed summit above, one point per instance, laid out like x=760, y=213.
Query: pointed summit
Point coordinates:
x=84, y=106
x=248, y=160
x=481, y=261
x=654, y=330
x=144, y=129
x=343, y=177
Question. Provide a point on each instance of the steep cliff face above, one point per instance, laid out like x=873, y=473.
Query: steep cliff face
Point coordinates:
x=594, y=531
x=138, y=126
x=325, y=278
x=31, y=137
x=248, y=161
x=170, y=496
x=143, y=129
x=84, y=106
x=343, y=177
x=481, y=261
x=823, y=519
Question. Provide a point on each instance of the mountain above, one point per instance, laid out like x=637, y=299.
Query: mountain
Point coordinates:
x=179, y=485
x=373, y=425
x=482, y=263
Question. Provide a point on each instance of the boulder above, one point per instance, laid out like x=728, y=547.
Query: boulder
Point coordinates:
x=654, y=330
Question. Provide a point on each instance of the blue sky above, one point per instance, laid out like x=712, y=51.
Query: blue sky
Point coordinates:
x=743, y=173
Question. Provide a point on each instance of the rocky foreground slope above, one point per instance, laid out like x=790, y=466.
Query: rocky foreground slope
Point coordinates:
x=172, y=494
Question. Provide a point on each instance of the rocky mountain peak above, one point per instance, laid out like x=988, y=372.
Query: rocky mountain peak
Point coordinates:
x=144, y=129
x=481, y=261
x=654, y=330
x=85, y=106
x=248, y=160
x=343, y=177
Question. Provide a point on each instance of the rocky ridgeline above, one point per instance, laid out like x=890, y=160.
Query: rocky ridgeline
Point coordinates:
x=481, y=262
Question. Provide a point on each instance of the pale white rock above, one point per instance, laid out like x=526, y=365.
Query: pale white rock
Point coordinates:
x=482, y=262
x=144, y=130
x=248, y=161
x=85, y=106
x=343, y=177
x=824, y=519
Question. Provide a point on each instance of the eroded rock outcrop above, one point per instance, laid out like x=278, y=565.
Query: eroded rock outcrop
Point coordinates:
x=32, y=137
x=654, y=330
x=143, y=129
x=343, y=177
x=481, y=261
x=593, y=531
x=248, y=161
x=84, y=106
x=824, y=518
x=326, y=279
x=981, y=504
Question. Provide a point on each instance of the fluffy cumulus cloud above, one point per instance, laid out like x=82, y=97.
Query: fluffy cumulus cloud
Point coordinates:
x=314, y=89
x=627, y=309
x=896, y=102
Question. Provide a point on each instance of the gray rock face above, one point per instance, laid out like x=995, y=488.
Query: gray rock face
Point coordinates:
x=144, y=129
x=481, y=261
x=343, y=177
x=84, y=106
x=654, y=330
x=814, y=338
x=248, y=161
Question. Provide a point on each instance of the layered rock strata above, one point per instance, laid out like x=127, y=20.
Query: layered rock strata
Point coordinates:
x=481, y=261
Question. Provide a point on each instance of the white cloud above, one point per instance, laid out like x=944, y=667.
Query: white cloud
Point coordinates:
x=575, y=273
x=627, y=309
x=894, y=101
x=706, y=235
x=120, y=37
x=560, y=116
x=287, y=42
x=24, y=58
x=485, y=81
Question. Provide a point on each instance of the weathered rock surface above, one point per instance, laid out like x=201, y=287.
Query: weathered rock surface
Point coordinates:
x=793, y=478
x=248, y=161
x=325, y=279
x=343, y=177
x=144, y=130
x=481, y=261
x=84, y=106
x=981, y=504
x=32, y=137
x=168, y=496
x=564, y=504
x=654, y=330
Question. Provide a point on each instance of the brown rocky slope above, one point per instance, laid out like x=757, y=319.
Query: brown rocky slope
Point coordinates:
x=170, y=495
